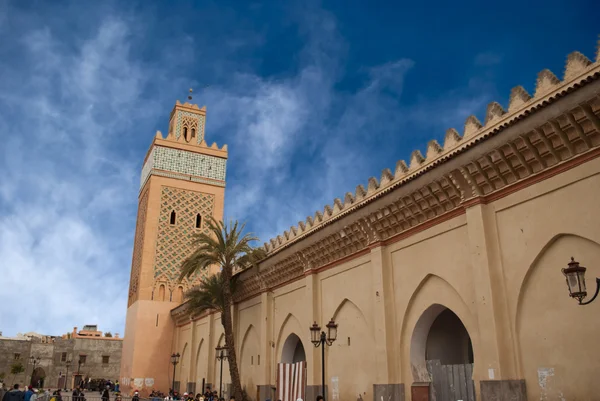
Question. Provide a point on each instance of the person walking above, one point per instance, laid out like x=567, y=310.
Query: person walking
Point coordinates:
x=14, y=395
x=106, y=394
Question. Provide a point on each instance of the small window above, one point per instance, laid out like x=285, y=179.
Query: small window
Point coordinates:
x=185, y=133
x=173, y=218
x=193, y=133
x=17, y=355
x=198, y=220
x=82, y=358
x=105, y=359
x=258, y=363
x=63, y=357
x=252, y=360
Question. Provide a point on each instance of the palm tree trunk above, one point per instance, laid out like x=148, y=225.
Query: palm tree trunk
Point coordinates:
x=227, y=322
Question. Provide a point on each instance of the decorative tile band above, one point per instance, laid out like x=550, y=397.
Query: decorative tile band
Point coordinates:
x=184, y=163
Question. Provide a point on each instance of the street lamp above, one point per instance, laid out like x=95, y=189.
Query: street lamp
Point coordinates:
x=34, y=360
x=319, y=338
x=174, y=361
x=67, y=364
x=575, y=276
x=221, y=354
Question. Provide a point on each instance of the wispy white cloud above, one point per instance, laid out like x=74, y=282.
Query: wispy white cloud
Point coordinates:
x=67, y=196
x=77, y=118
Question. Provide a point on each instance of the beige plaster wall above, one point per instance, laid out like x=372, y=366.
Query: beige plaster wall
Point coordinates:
x=496, y=266
x=147, y=324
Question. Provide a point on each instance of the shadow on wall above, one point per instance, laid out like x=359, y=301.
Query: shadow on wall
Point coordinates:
x=556, y=336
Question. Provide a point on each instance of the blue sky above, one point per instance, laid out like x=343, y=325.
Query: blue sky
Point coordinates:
x=312, y=98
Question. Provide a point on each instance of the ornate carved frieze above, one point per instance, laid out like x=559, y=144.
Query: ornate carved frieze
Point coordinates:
x=447, y=179
x=574, y=132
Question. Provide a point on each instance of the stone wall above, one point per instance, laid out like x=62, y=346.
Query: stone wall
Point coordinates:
x=53, y=356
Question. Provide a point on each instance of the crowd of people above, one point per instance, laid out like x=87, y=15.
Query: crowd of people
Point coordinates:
x=208, y=395
x=33, y=394
x=30, y=394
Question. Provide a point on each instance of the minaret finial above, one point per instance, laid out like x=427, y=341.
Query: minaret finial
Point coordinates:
x=190, y=95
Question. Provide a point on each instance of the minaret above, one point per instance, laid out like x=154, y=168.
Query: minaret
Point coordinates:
x=182, y=183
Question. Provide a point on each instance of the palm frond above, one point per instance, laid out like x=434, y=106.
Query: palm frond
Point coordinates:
x=209, y=294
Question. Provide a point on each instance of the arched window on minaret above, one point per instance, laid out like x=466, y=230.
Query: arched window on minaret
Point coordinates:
x=173, y=218
x=161, y=292
x=198, y=220
x=185, y=133
x=179, y=294
x=193, y=133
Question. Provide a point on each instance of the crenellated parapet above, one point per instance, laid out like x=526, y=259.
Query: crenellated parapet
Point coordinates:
x=529, y=153
x=184, y=153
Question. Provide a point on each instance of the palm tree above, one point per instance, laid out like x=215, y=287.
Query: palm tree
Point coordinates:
x=227, y=247
x=209, y=294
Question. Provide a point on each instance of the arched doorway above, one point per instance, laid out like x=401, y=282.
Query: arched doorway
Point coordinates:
x=37, y=377
x=442, y=353
x=293, y=350
x=291, y=371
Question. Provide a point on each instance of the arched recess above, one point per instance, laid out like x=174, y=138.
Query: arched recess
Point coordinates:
x=184, y=368
x=217, y=367
x=37, y=377
x=201, y=364
x=431, y=297
x=290, y=327
x=249, y=357
x=178, y=295
x=161, y=292
x=293, y=350
x=354, y=346
x=555, y=335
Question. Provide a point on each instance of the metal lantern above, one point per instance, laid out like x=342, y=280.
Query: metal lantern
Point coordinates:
x=315, y=334
x=575, y=276
x=331, y=331
x=175, y=358
x=221, y=352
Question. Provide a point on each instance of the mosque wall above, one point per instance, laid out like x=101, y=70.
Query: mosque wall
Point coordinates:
x=452, y=263
x=495, y=260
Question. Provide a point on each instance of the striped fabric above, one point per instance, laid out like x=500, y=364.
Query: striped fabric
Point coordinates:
x=291, y=381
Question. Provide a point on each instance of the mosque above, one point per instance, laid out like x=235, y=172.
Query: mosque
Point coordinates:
x=443, y=276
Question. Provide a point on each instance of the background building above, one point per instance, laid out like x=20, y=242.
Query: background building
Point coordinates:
x=58, y=359
x=443, y=275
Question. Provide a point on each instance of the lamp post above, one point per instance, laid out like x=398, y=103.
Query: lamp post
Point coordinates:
x=34, y=360
x=575, y=276
x=67, y=364
x=221, y=354
x=320, y=339
x=174, y=361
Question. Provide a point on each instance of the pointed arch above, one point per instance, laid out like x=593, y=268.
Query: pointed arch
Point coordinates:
x=248, y=357
x=353, y=347
x=249, y=331
x=542, y=253
x=185, y=134
x=173, y=218
x=545, y=315
x=348, y=303
x=431, y=297
x=183, y=367
x=290, y=325
x=201, y=365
